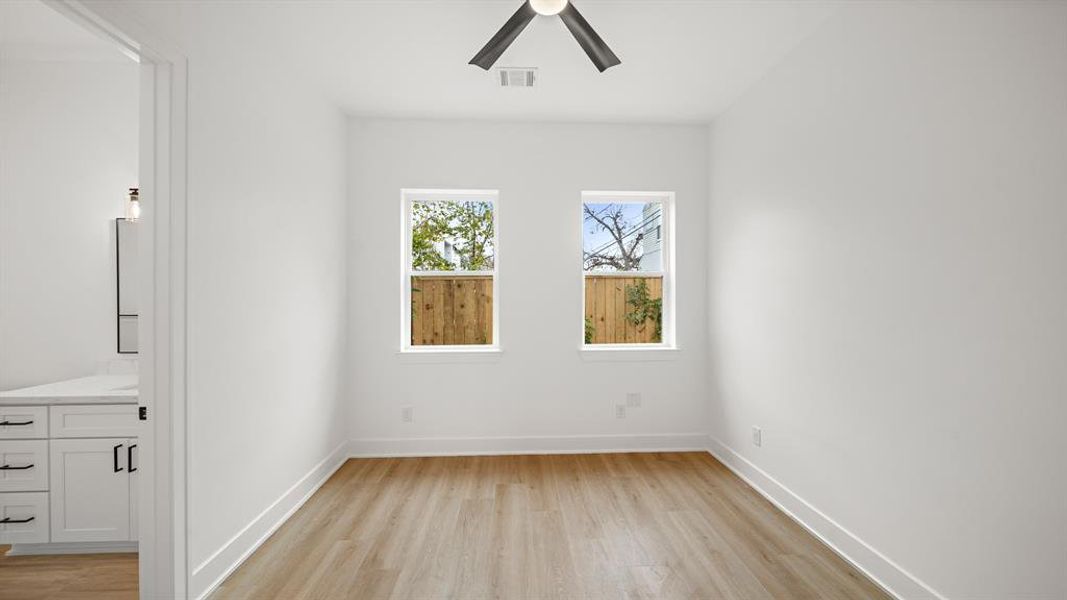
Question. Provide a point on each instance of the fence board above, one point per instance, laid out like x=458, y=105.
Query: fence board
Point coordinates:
x=428, y=298
x=437, y=322
x=625, y=332
x=448, y=312
x=614, y=311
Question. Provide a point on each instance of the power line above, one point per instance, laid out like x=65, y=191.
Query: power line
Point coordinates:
x=637, y=228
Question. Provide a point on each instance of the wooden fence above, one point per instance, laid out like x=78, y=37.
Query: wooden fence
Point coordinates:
x=448, y=311
x=458, y=310
x=606, y=308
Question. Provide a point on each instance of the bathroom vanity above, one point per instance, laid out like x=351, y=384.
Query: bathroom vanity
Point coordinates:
x=68, y=466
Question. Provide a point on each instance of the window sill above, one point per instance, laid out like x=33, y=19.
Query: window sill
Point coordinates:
x=450, y=354
x=629, y=353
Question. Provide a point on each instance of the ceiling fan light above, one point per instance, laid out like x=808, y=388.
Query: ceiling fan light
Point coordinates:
x=548, y=7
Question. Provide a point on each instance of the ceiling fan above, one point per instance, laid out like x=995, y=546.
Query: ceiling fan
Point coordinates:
x=594, y=46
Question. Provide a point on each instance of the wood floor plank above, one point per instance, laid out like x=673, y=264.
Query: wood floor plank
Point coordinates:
x=68, y=577
x=612, y=526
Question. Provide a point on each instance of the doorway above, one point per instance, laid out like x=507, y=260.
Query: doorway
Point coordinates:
x=147, y=442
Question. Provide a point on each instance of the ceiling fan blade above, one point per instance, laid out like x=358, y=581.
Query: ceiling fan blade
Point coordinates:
x=488, y=55
x=594, y=46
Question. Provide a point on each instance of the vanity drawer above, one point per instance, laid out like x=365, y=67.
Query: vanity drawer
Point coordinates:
x=24, y=518
x=95, y=421
x=23, y=422
x=23, y=465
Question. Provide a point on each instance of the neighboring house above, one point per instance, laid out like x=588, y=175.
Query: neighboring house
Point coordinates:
x=448, y=250
x=652, y=244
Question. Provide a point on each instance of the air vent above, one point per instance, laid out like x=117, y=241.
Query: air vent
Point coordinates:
x=516, y=77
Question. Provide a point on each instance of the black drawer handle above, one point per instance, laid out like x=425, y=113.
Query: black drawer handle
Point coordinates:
x=115, y=457
x=10, y=468
x=19, y=423
x=129, y=458
x=10, y=520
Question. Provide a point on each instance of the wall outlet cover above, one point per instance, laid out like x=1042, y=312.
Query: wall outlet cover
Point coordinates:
x=620, y=412
x=407, y=414
x=633, y=399
x=757, y=436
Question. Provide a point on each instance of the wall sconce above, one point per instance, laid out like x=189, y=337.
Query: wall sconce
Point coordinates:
x=133, y=205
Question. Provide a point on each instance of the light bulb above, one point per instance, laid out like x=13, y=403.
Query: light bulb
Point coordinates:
x=133, y=205
x=548, y=7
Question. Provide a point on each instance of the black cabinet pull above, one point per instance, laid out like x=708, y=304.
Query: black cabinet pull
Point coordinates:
x=115, y=457
x=129, y=458
x=18, y=423
x=10, y=468
x=10, y=520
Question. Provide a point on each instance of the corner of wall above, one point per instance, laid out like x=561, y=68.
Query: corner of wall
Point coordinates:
x=893, y=578
x=208, y=575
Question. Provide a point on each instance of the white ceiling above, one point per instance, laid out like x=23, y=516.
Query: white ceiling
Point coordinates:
x=31, y=30
x=683, y=61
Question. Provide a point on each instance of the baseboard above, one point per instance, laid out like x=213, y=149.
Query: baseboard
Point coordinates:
x=71, y=548
x=883, y=571
x=213, y=571
x=486, y=446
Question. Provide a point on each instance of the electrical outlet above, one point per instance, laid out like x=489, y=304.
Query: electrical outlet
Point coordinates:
x=633, y=399
x=620, y=411
x=757, y=436
x=407, y=414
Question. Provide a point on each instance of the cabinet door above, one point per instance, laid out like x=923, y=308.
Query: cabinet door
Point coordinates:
x=90, y=490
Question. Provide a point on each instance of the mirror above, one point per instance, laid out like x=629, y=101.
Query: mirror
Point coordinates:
x=126, y=284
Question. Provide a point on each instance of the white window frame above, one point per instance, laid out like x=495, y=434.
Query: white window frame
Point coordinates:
x=668, y=269
x=409, y=197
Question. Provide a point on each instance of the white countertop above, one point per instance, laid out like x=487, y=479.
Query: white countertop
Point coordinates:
x=98, y=389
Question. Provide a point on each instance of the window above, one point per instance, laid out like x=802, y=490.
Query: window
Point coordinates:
x=626, y=268
x=450, y=270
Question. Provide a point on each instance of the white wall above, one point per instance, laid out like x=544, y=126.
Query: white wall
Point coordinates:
x=888, y=287
x=68, y=153
x=266, y=290
x=266, y=295
x=540, y=387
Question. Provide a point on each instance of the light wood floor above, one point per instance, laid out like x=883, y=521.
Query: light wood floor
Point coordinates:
x=72, y=577
x=676, y=525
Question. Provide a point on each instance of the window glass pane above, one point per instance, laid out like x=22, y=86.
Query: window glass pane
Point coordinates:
x=623, y=262
x=452, y=236
x=622, y=237
x=623, y=309
x=451, y=310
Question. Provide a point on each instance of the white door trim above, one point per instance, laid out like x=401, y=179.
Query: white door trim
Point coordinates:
x=163, y=343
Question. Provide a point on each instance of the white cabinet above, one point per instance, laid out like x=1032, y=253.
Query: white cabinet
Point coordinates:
x=68, y=475
x=91, y=489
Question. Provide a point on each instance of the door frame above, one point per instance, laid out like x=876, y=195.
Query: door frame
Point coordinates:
x=163, y=560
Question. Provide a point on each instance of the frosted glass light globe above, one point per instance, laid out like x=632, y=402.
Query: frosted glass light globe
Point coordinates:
x=548, y=7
